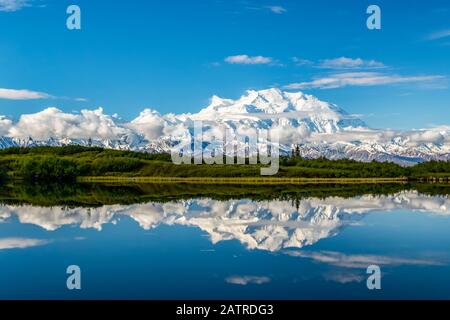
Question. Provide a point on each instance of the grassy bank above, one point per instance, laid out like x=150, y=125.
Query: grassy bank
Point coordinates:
x=62, y=164
x=239, y=180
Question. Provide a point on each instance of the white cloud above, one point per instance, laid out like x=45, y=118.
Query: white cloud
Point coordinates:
x=302, y=62
x=276, y=9
x=435, y=135
x=81, y=99
x=291, y=135
x=5, y=125
x=340, y=80
x=13, y=5
x=245, y=59
x=342, y=63
x=12, y=94
x=349, y=63
x=411, y=138
x=20, y=243
x=53, y=122
x=149, y=123
x=439, y=35
x=245, y=280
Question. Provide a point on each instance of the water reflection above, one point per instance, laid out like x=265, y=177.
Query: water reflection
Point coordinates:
x=225, y=242
x=270, y=225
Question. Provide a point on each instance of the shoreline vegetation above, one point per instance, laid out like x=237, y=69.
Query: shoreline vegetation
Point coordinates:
x=239, y=180
x=71, y=195
x=92, y=164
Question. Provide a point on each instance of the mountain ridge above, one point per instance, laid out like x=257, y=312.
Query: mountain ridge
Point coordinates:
x=321, y=129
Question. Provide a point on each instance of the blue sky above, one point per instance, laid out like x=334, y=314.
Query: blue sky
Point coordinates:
x=172, y=56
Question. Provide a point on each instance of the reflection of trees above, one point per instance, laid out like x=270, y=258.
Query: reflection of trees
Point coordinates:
x=72, y=194
x=94, y=195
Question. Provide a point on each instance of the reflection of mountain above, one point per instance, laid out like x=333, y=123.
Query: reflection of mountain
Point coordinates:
x=266, y=225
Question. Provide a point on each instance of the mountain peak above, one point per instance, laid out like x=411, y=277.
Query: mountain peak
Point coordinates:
x=266, y=93
x=270, y=101
x=274, y=107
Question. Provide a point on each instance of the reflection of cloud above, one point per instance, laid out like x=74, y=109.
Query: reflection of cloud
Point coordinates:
x=344, y=277
x=4, y=216
x=357, y=261
x=245, y=280
x=20, y=243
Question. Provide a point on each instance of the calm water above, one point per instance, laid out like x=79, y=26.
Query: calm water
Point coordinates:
x=230, y=249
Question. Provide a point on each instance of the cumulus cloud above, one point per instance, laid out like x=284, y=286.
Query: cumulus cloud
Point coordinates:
x=346, y=79
x=12, y=94
x=437, y=135
x=54, y=123
x=149, y=123
x=13, y=5
x=357, y=134
x=291, y=135
x=20, y=243
x=245, y=280
x=409, y=138
x=349, y=63
x=5, y=125
x=245, y=59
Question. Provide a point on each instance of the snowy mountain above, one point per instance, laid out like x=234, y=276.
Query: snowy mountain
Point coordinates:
x=266, y=108
x=321, y=129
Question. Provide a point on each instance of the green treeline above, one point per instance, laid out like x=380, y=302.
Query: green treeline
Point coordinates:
x=61, y=164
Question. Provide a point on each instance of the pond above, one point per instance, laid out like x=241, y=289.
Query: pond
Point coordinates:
x=154, y=242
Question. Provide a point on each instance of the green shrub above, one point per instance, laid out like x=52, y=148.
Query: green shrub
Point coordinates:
x=47, y=169
x=105, y=165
